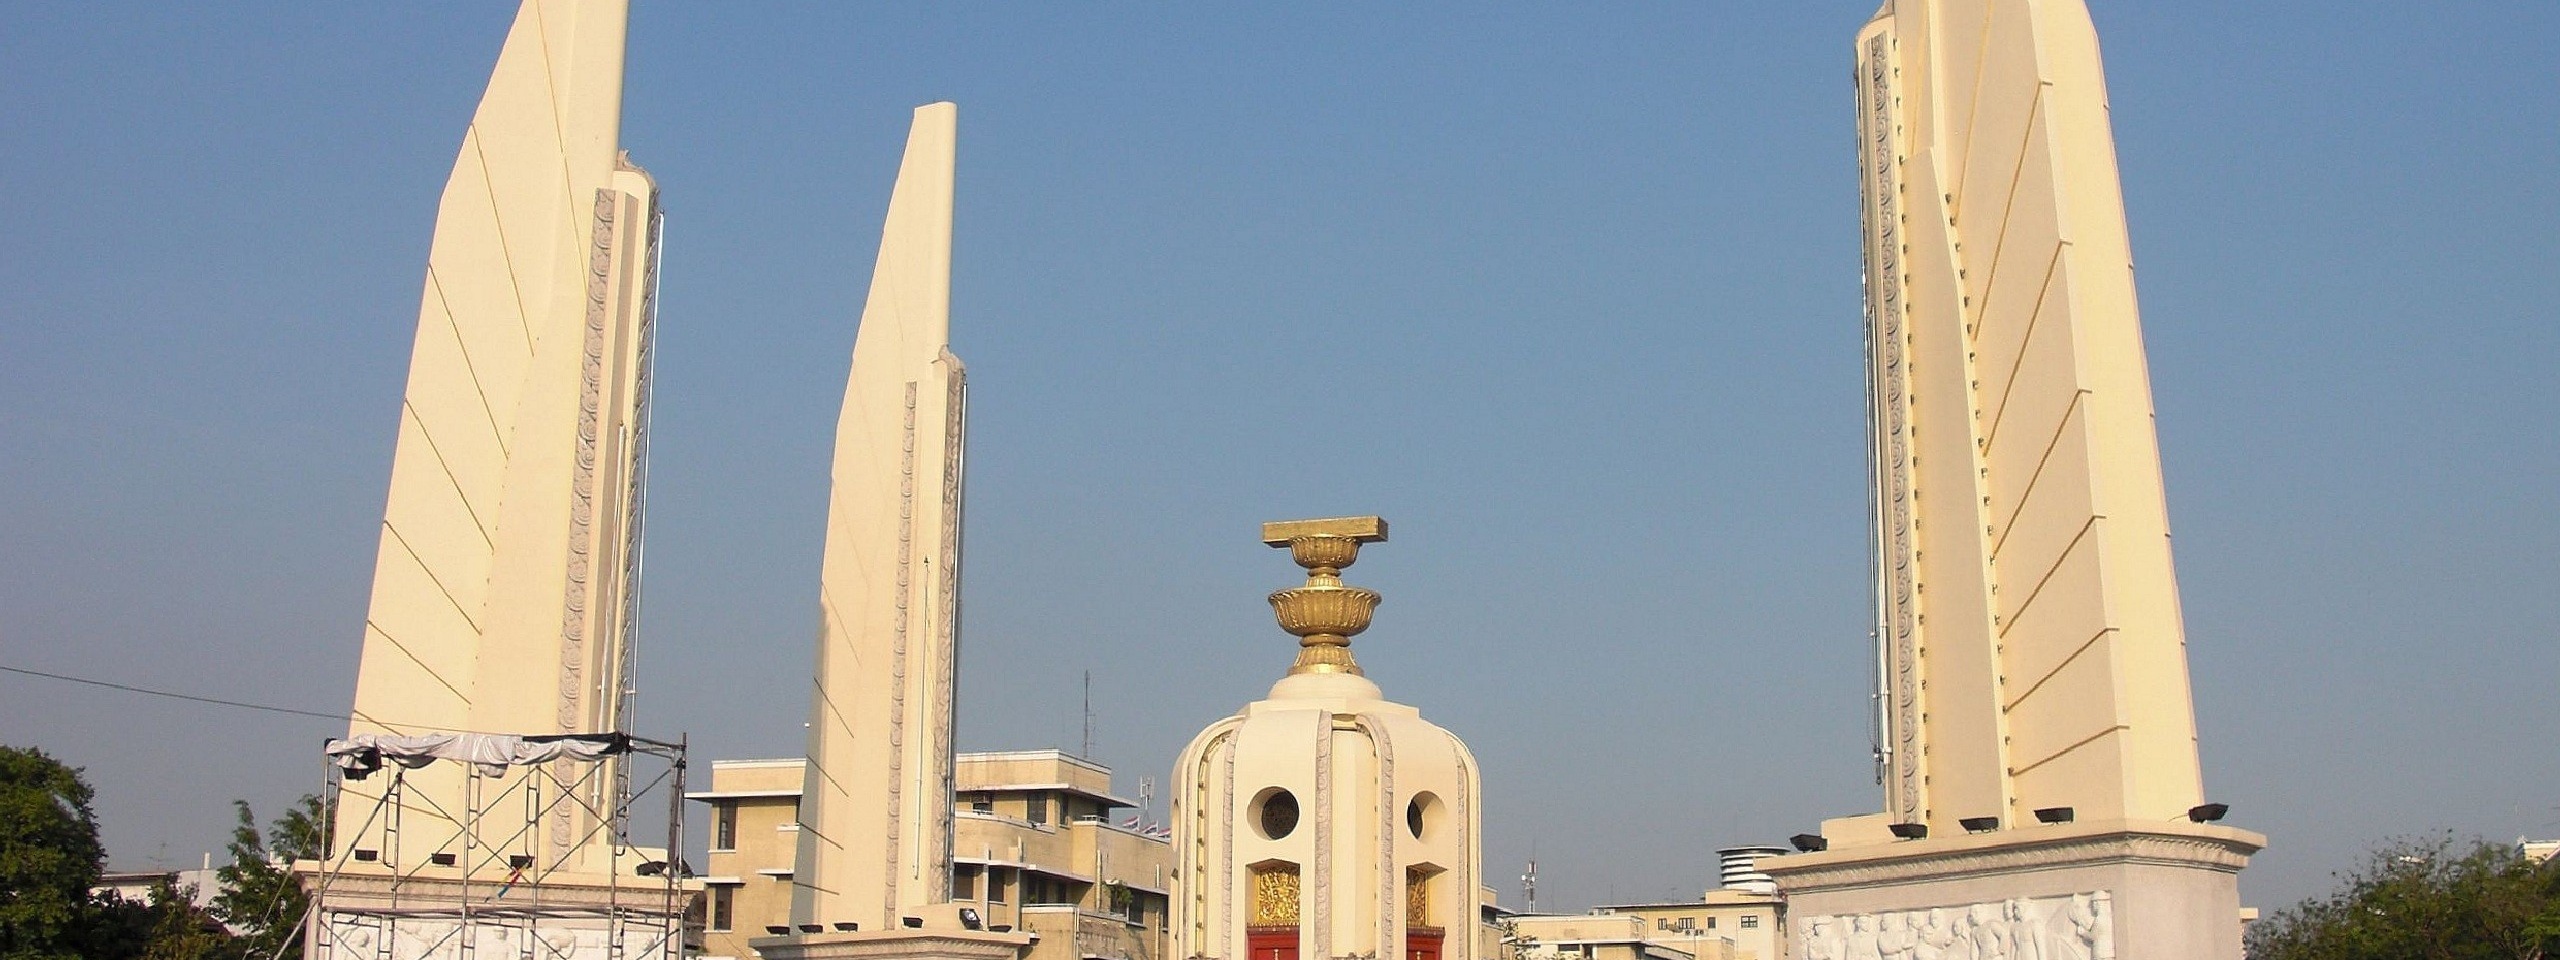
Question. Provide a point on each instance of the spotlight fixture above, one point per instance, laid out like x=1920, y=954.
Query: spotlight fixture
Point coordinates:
x=368, y=856
x=911, y=923
x=969, y=919
x=812, y=928
x=441, y=859
x=847, y=926
x=1979, y=824
x=1002, y=928
x=2208, y=812
x=1909, y=831
x=519, y=861
x=2053, y=814
x=1809, y=843
x=653, y=868
x=362, y=765
x=777, y=929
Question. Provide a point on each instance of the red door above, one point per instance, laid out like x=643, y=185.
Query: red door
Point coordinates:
x=1420, y=943
x=1275, y=943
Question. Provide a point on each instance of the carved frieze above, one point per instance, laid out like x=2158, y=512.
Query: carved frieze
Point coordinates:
x=2079, y=926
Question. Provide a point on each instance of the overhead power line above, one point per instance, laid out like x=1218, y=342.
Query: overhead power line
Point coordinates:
x=128, y=688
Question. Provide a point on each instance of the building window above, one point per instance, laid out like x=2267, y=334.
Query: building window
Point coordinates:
x=964, y=882
x=724, y=904
x=725, y=826
x=1711, y=923
x=1750, y=923
x=981, y=803
x=1037, y=809
x=997, y=882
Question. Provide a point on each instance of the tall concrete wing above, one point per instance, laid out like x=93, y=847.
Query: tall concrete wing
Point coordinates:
x=2037, y=743
x=2032, y=649
x=504, y=582
x=875, y=840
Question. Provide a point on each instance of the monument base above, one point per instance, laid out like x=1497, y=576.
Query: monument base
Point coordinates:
x=367, y=911
x=2113, y=890
x=895, y=945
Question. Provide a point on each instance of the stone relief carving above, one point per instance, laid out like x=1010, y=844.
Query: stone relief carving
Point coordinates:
x=898, y=656
x=364, y=937
x=1885, y=318
x=2080, y=926
x=570, y=712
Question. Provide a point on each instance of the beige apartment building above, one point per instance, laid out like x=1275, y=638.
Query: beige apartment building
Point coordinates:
x=1040, y=844
x=1727, y=922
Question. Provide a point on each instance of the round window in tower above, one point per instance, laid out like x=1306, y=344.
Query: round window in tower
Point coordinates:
x=1421, y=814
x=1275, y=813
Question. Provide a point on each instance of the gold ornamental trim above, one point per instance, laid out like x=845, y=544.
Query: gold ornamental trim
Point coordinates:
x=1325, y=613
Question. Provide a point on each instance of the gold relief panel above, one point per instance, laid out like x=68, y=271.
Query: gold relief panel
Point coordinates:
x=1417, y=897
x=1275, y=894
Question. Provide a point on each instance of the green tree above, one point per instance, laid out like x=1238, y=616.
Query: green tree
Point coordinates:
x=49, y=856
x=2425, y=900
x=260, y=896
x=179, y=930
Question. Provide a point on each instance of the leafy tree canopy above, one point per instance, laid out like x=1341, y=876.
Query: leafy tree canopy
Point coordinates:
x=49, y=856
x=2427, y=899
x=259, y=895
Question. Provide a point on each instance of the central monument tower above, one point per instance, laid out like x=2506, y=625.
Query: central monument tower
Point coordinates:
x=1324, y=820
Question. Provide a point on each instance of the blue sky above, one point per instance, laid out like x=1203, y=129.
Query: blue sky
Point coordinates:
x=1569, y=295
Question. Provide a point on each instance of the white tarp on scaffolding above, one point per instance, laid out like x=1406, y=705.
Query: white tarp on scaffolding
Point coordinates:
x=490, y=753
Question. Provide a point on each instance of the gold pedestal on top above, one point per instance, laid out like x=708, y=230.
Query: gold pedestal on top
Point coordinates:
x=1325, y=613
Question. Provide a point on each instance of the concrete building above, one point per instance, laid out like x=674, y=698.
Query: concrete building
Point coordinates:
x=1725, y=924
x=1042, y=846
x=200, y=885
x=1644, y=933
x=1326, y=821
x=2037, y=742
x=1741, y=919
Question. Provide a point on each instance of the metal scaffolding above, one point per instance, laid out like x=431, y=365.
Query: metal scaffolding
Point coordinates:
x=487, y=879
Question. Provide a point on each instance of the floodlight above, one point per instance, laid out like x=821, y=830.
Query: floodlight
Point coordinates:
x=812, y=928
x=368, y=856
x=1909, y=831
x=653, y=868
x=1979, y=824
x=777, y=929
x=1809, y=843
x=969, y=919
x=847, y=926
x=911, y=923
x=2053, y=814
x=519, y=861
x=2208, y=812
x=441, y=859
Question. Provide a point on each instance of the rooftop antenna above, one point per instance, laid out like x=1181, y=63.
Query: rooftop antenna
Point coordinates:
x=1087, y=752
x=1529, y=884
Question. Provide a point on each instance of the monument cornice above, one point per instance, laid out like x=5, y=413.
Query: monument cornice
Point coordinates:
x=905, y=944
x=2110, y=843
